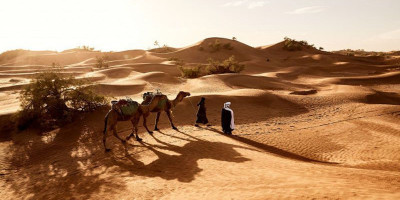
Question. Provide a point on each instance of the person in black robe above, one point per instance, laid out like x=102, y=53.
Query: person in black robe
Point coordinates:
x=201, y=113
x=227, y=119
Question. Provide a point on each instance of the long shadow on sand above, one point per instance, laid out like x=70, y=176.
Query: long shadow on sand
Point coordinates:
x=180, y=162
x=61, y=165
x=270, y=149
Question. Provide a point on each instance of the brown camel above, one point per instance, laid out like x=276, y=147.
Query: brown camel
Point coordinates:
x=159, y=103
x=113, y=117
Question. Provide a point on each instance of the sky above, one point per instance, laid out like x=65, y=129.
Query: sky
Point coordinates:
x=135, y=24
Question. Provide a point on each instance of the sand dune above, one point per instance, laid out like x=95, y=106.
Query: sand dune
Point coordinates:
x=311, y=124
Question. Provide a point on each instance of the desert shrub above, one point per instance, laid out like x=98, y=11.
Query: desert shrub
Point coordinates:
x=85, y=48
x=227, y=46
x=163, y=49
x=214, y=47
x=176, y=61
x=190, y=72
x=217, y=45
x=173, y=59
x=51, y=100
x=55, y=65
x=294, y=45
x=230, y=65
x=380, y=54
x=102, y=61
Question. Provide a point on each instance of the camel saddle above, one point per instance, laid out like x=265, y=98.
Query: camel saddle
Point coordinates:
x=125, y=107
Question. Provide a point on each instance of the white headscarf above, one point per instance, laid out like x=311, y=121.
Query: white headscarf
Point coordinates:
x=227, y=107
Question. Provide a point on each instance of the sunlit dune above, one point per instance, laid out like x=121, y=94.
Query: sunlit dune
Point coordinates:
x=311, y=124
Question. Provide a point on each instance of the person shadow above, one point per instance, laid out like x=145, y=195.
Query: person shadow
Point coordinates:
x=269, y=149
x=180, y=162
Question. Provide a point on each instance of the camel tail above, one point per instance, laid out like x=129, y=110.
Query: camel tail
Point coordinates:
x=105, y=123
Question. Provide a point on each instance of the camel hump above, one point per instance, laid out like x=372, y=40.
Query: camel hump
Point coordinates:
x=125, y=106
x=148, y=97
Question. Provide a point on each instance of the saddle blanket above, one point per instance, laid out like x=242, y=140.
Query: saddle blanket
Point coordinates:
x=125, y=107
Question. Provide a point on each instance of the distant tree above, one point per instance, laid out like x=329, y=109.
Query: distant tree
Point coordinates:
x=156, y=43
x=321, y=48
x=234, y=38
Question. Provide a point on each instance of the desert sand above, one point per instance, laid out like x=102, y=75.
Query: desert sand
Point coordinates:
x=310, y=125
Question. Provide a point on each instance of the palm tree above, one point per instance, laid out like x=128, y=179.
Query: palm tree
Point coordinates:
x=234, y=38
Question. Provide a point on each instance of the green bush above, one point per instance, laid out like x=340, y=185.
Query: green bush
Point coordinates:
x=176, y=61
x=217, y=45
x=190, y=72
x=102, y=62
x=228, y=46
x=51, y=100
x=85, y=48
x=214, y=47
x=230, y=65
x=294, y=45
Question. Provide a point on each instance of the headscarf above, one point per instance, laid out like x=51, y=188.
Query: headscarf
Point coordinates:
x=201, y=101
x=227, y=107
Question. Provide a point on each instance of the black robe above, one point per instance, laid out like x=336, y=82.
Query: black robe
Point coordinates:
x=201, y=113
x=226, y=118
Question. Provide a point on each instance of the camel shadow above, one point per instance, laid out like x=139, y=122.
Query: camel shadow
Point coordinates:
x=182, y=164
x=63, y=164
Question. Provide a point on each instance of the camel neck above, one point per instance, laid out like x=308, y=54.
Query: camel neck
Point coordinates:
x=176, y=100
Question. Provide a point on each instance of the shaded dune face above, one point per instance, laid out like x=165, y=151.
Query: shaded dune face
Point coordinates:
x=319, y=121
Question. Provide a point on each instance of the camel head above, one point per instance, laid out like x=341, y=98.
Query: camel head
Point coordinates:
x=182, y=95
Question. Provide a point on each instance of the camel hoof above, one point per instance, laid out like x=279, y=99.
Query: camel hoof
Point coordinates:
x=156, y=129
x=107, y=150
x=139, y=139
x=150, y=132
x=127, y=138
x=123, y=141
x=174, y=128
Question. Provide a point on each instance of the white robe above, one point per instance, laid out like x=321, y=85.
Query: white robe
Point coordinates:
x=226, y=107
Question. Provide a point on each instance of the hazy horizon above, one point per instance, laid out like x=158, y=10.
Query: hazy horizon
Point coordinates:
x=134, y=24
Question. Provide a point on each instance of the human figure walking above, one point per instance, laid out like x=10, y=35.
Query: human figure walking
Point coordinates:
x=227, y=119
x=201, y=113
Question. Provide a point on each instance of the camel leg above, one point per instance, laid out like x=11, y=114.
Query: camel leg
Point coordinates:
x=134, y=131
x=106, y=128
x=145, y=124
x=157, y=118
x=104, y=141
x=130, y=135
x=116, y=135
x=170, y=120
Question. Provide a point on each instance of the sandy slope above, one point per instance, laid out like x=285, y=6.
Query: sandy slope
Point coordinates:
x=340, y=141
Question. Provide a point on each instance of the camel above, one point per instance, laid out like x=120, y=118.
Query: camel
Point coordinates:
x=113, y=117
x=159, y=103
